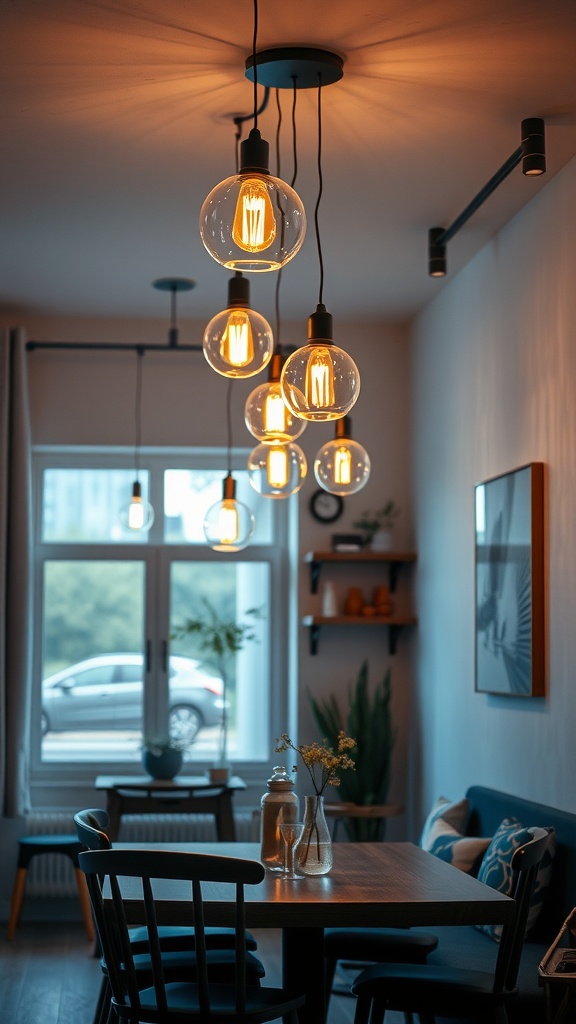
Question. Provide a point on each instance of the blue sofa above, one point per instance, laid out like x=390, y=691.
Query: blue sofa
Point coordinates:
x=468, y=947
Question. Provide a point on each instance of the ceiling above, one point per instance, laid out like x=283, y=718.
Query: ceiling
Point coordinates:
x=116, y=121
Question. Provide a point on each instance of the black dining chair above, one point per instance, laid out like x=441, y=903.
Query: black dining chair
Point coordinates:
x=114, y=876
x=433, y=992
x=177, y=943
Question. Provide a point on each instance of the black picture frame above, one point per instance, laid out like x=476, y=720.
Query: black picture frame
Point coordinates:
x=509, y=581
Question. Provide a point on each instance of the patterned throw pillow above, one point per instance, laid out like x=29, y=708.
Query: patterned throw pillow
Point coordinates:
x=453, y=814
x=463, y=852
x=496, y=869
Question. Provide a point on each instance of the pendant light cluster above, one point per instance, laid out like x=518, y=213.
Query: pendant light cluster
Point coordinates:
x=254, y=222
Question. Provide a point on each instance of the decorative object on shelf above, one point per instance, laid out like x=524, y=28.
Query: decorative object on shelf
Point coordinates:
x=162, y=758
x=238, y=342
x=228, y=524
x=253, y=221
x=329, y=599
x=276, y=469
x=370, y=720
x=323, y=763
x=320, y=381
x=378, y=526
x=221, y=639
x=510, y=601
x=138, y=515
x=325, y=507
x=278, y=806
x=354, y=601
x=382, y=601
x=342, y=466
x=347, y=542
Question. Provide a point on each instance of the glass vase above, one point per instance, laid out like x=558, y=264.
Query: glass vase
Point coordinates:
x=314, y=851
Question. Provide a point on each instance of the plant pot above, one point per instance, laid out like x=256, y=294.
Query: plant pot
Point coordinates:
x=219, y=774
x=164, y=765
x=383, y=540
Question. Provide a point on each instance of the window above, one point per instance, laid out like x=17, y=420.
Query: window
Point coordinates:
x=113, y=662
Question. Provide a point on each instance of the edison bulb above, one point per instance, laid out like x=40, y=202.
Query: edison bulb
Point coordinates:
x=268, y=417
x=237, y=344
x=253, y=221
x=277, y=470
x=342, y=466
x=137, y=515
x=254, y=227
x=228, y=525
x=238, y=341
x=320, y=381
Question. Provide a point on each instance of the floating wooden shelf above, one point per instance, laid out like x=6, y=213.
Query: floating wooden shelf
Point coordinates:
x=395, y=560
x=395, y=624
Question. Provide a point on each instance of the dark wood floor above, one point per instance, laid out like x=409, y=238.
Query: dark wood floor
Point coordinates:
x=48, y=975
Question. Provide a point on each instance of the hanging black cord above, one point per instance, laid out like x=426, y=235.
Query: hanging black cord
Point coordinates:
x=138, y=411
x=292, y=183
x=320, y=183
x=294, y=147
x=229, y=426
x=255, y=65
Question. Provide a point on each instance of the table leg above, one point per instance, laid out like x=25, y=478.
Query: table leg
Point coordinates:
x=225, y=825
x=114, y=808
x=303, y=970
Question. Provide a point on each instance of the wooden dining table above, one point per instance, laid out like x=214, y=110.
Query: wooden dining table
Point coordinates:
x=371, y=884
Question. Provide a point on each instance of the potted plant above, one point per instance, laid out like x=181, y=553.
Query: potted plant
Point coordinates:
x=369, y=721
x=378, y=526
x=162, y=758
x=220, y=639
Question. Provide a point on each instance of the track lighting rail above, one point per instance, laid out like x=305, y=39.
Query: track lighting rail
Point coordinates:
x=112, y=347
x=532, y=153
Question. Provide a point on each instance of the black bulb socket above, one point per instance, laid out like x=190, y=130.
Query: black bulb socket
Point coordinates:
x=229, y=489
x=320, y=329
x=254, y=154
x=238, y=292
x=436, y=253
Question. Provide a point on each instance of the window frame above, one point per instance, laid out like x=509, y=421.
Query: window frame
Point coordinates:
x=281, y=554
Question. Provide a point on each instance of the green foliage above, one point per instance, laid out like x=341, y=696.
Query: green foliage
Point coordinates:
x=370, y=722
x=383, y=518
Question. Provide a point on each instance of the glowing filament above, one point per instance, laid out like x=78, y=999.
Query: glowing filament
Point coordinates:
x=136, y=514
x=342, y=465
x=237, y=344
x=320, y=379
x=228, y=527
x=277, y=466
x=275, y=413
x=254, y=226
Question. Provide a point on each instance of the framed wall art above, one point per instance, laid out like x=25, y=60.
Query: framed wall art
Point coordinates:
x=510, y=603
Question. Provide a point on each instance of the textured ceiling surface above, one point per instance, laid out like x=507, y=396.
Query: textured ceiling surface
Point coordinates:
x=116, y=121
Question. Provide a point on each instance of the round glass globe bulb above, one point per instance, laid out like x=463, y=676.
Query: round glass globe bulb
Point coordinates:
x=342, y=466
x=252, y=222
x=277, y=470
x=267, y=416
x=320, y=382
x=238, y=342
x=228, y=525
x=137, y=515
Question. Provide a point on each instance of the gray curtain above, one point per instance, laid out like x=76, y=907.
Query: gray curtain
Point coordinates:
x=15, y=575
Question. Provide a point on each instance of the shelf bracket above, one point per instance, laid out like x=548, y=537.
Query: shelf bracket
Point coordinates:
x=394, y=570
x=315, y=567
x=393, y=634
x=314, y=636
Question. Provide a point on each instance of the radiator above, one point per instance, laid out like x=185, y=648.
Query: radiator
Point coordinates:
x=52, y=875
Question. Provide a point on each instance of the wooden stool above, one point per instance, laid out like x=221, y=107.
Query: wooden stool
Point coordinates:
x=33, y=846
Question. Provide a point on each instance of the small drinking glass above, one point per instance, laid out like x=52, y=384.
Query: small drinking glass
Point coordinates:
x=291, y=834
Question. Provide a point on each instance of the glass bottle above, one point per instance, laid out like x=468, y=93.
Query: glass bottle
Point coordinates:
x=314, y=854
x=278, y=805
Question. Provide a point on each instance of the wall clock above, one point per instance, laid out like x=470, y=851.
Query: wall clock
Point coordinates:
x=325, y=507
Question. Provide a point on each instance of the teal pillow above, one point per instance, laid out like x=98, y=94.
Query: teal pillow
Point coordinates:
x=496, y=869
x=463, y=852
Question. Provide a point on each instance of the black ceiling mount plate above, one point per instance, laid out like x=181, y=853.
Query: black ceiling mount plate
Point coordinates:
x=174, y=284
x=287, y=66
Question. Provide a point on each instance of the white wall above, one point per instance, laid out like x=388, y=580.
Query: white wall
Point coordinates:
x=494, y=387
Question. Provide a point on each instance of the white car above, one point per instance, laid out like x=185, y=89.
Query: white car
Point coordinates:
x=106, y=693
